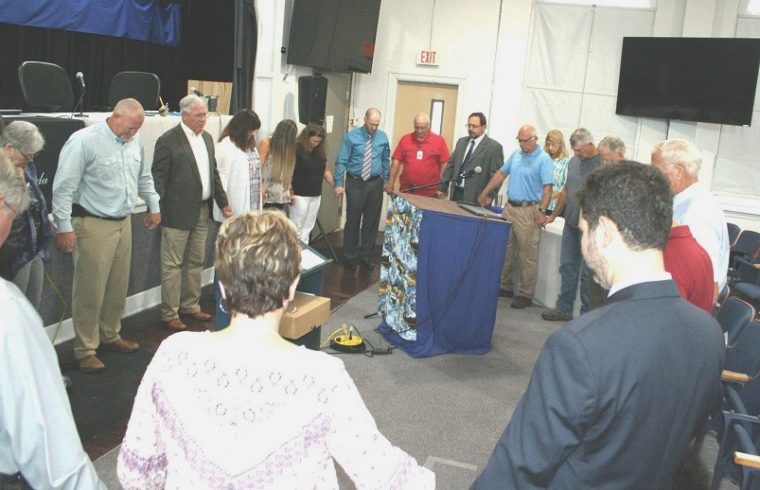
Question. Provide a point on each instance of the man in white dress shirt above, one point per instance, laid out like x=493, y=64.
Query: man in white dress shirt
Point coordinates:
x=693, y=203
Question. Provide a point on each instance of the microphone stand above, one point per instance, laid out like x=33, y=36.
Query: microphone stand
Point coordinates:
x=412, y=188
x=80, y=104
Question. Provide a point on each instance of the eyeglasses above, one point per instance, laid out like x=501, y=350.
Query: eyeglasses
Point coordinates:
x=29, y=158
x=526, y=140
x=472, y=126
x=200, y=115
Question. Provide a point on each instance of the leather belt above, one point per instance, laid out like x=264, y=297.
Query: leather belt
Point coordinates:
x=78, y=211
x=359, y=177
x=521, y=204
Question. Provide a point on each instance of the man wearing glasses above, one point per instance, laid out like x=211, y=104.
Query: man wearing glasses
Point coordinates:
x=184, y=171
x=475, y=159
x=529, y=190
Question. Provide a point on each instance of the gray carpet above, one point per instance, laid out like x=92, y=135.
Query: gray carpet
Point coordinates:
x=446, y=411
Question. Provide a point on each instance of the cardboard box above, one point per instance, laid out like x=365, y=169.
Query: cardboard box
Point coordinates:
x=304, y=314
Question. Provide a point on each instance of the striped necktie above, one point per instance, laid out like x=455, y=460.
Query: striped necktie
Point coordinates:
x=367, y=164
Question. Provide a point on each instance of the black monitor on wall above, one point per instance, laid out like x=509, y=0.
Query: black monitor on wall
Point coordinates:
x=334, y=35
x=691, y=79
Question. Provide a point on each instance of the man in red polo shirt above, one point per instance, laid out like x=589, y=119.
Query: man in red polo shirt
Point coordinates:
x=420, y=157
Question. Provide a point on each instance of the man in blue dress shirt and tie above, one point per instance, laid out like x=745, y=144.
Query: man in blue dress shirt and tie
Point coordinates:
x=361, y=171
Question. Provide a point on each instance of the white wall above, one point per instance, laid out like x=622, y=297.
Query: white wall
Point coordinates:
x=483, y=47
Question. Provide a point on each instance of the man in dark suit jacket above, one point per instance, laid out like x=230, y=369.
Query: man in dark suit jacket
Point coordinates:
x=470, y=152
x=186, y=179
x=616, y=395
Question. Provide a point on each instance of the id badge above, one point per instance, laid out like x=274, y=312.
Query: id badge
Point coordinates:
x=419, y=154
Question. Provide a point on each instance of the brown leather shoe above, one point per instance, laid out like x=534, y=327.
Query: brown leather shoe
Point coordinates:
x=176, y=325
x=91, y=365
x=201, y=316
x=122, y=345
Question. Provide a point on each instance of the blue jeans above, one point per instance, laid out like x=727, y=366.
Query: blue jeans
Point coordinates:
x=571, y=264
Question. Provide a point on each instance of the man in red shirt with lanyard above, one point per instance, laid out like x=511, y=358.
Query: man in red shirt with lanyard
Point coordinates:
x=420, y=155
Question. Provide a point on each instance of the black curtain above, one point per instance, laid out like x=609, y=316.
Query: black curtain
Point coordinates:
x=244, y=55
x=209, y=51
x=98, y=57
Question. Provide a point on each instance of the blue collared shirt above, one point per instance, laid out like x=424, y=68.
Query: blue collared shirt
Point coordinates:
x=351, y=154
x=528, y=174
x=101, y=173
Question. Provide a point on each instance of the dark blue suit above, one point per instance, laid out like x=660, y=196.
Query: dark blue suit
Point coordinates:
x=615, y=396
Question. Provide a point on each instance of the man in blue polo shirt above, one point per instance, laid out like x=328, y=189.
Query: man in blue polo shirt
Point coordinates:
x=361, y=171
x=529, y=191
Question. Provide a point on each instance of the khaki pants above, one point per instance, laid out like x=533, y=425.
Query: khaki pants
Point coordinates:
x=183, y=253
x=522, y=250
x=102, y=258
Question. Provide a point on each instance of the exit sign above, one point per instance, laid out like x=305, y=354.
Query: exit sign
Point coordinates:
x=428, y=58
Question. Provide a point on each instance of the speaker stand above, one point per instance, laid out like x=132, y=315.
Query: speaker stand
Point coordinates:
x=324, y=236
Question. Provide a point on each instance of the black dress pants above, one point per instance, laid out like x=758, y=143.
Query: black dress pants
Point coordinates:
x=364, y=201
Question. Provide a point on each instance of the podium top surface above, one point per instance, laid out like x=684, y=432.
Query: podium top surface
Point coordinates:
x=439, y=205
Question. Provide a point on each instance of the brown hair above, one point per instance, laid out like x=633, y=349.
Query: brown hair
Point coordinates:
x=237, y=129
x=304, y=148
x=282, y=149
x=258, y=257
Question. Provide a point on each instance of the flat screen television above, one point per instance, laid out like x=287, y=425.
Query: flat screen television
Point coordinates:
x=691, y=79
x=334, y=35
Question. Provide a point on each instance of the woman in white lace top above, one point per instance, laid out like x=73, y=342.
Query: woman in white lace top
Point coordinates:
x=244, y=408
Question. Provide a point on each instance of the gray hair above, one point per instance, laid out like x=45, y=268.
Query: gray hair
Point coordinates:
x=128, y=106
x=614, y=144
x=12, y=185
x=23, y=136
x=189, y=101
x=580, y=136
x=678, y=150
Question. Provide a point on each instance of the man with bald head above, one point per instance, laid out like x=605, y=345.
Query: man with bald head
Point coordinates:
x=419, y=157
x=361, y=171
x=101, y=171
x=693, y=203
x=529, y=190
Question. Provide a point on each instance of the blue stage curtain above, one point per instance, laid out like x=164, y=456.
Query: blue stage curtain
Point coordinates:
x=154, y=21
x=440, y=280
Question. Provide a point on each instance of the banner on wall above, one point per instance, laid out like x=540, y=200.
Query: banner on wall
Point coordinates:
x=158, y=22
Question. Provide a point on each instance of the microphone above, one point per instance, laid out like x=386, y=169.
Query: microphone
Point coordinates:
x=196, y=91
x=80, y=77
x=473, y=171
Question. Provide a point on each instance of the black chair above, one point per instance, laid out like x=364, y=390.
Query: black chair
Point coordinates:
x=737, y=454
x=140, y=85
x=733, y=233
x=722, y=297
x=733, y=316
x=746, y=247
x=46, y=87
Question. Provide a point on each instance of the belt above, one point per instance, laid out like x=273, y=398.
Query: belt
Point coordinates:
x=78, y=211
x=359, y=177
x=521, y=204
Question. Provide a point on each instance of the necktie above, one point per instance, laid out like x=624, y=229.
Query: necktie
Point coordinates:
x=469, y=152
x=463, y=168
x=367, y=164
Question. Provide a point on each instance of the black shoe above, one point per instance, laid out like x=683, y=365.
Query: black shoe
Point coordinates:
x=350, y=265
x=366, y=264
x=505, y=293
x=521, y=302
x=554, y=315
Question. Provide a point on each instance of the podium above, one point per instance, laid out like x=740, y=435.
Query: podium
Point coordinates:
x=439, y=277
